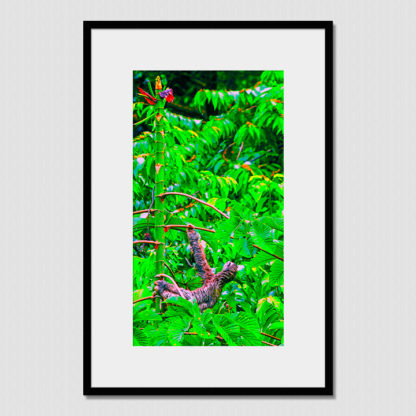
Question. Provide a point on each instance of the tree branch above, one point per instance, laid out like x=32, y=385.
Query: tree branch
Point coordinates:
x=196, y=199
x=142, y=211
x=225, y=151
x=188, y=227
x=269, y=344
x=270, y=336
x=146, y=298
x=268, y=252
x=146, y=242
x=239, y=152
x=171, y=271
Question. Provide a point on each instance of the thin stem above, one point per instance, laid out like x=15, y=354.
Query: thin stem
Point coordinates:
x=162, y=195
x=146, y=242
x=142, y=121
x=142, y=211
x=140, y=300
x=241, y=148
x=268, y=343
x=225, y=151
x=268, y=252
x=270, y=336
x=186, y=226
x=169, y=268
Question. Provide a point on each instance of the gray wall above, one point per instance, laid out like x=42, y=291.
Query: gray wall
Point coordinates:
x=41, y=206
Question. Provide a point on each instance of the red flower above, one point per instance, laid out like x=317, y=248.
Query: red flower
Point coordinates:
x=149, y=98
x=167, y=94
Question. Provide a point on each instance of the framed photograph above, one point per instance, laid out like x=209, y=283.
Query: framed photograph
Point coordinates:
x=208, y=216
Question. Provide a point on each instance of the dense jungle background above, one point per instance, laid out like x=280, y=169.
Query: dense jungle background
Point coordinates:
x=223, y=138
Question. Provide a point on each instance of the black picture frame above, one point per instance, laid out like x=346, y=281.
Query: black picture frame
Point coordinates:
x=328, y=389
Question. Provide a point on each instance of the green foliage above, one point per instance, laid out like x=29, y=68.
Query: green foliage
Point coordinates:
x=224, y=145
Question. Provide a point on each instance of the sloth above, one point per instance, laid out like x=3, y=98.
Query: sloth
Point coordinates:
x=207, y=295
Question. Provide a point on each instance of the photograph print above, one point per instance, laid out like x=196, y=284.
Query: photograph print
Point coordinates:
x=208, y=208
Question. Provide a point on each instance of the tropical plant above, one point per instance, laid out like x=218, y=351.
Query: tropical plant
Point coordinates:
x=208, y=165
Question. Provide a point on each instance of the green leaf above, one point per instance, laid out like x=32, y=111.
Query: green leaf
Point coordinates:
x=276, y=273
x=138, y=164
x=262, y=234
x=201, y=325
x=226, y=328
x=244, y=246
x=277, y=325
x=264, y=304
x=273, y=222
x=214, y=97
x=225, y=228
x=176, y=328
x=249, y=327
x=141, y=337
x=146, y=315
x=260, y=259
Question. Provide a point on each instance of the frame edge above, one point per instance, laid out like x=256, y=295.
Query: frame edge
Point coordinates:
x=328, y=389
